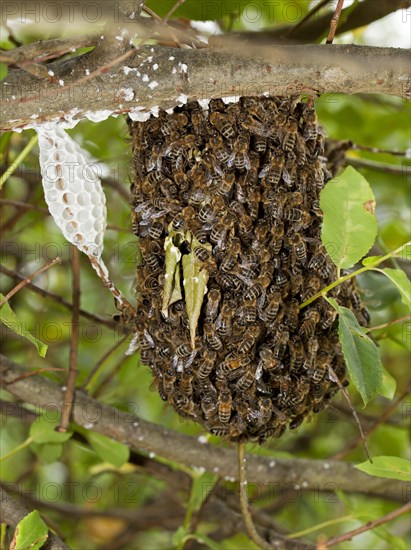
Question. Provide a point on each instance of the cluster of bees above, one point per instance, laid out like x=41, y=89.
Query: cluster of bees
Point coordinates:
x=244, y=178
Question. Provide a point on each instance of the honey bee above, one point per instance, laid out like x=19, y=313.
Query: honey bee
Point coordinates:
x=253, y=203
x=245, y=381
x=220, y=150
x=183, y=350
x=291, y=315
x=297, y=354
x=273, y=169
x=213, y=340
x=171, y=123
x=261, y=415
x=311, y=123
x=292, y=214
x=219, y=232
x=260, y=233
x=155, y=176
x=318, y=258
x=271, y=310
x=227, y=182
x=223, y=324
x=186, y=383
x=249, y=340
x=207, y=365
x=277, y=233
x=198, y=121
x=239, y=156
x=298, y=249
x=260, y=144
x=225, y=401
x=169, y=378
x=206, y=213
x=199, y=233
x=296, y=283
x=281, y=340
x=312, y=287
x=280, y=280
x=223, y=124
x=290, y=134
x=301, y=150
x=247, y=313
x=155, y=160
x=216, y=105
x=327, y=318
x=213, y=302
x=155, y=229
x=276, y=202
x=168, y=188
x=150, y=283
x=201, y=253
x=268, y=362
x=209, y=406
x=310, y=320
x=183, y=405
x=320, y=367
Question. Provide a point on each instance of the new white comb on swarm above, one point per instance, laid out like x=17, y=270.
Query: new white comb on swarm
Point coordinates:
x=72, y=190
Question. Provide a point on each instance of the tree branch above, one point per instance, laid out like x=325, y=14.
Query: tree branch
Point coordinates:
x=315, y=475
x=164, y=77
x=12, y=512
x=314, y=28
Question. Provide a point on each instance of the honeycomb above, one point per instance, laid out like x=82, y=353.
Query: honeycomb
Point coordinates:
x=235, y=190
x=72, y=191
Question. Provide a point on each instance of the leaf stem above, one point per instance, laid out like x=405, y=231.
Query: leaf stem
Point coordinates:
x=5, y=176
x=319, y=526
x=353, y=274
x=23, y=445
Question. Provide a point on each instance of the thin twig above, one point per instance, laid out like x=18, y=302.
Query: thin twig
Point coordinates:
x=55, y=297
x=245, y=511
x=354, y=412
x=368, y=526
x=28, y=280
x=177, y=447
x=379, y=166
x=73, y=370
x=22, y=155
x=172, y=10
x=390, y=323
x=308, y=16
x=24, y=205
x=334, y=22
x=377, y=422
x=34, y=373
x=100, y=362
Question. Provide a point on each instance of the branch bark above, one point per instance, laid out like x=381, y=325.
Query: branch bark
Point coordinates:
x=165, y=77
x=300, y=474
x=12, y=512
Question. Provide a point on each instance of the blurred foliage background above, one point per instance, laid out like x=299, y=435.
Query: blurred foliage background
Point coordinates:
x=30, y=238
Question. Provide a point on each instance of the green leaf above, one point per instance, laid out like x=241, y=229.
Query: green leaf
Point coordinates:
x=401, y=282
x=392, y=467
x=349, y=225
x=179, y=536
x=371, y=260
x=360, y=353
x=9, y=318
x=107, y=449
x=172, y=288
x=3, y=71
x=389, y=385
x=47, y=452
x=31, y=533
x=195, y=279
x=43, y=429
x=200, y=489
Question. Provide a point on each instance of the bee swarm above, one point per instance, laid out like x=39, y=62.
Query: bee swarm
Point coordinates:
x=243, y=180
